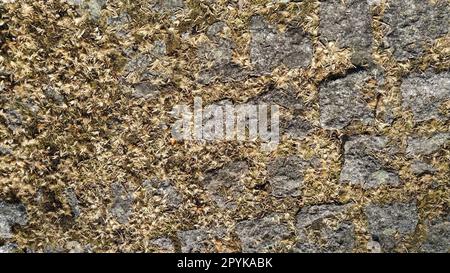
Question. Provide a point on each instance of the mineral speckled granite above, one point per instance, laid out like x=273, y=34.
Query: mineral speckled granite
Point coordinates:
x=88, y=162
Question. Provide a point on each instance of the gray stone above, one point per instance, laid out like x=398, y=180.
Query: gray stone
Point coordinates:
x=438, y=238
x=262, y=235
x=9, y=248
x=361, y=166
x=374, y=247
x=76, y=247
x=296, y=127
x=229, y=72
x=414, y=25
x=425, y=146
x=223, y=184
x=13, y=119
x=5, y=151
x=166, y=190
x=285, y=176
x=269, y=48
x=217, y=52
x=119, y=20
x=348, y=23
x=163, y=245
x=313, y=215
x=286, y=98
x=337, y=238
x=200, y=240
x=342, y=101
x=391, y=223
x=425, y=93
x=216, y=55
x=340, y=239
x=166, y=5
x=11, y=214
x=420, y=168
x=122, y=204
x=72, y=200
x=94, y=7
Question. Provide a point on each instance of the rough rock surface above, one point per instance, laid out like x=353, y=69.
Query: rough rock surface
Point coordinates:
x=223, y=185
x=166, y=191
x=331, y=238
x=348, y=23
x=438, y=237
x=163, y=245
x=201, y=240
x=424, y=94
x=262, y=235
x=392, y=223
x=269, y=48
x=9, y=248
x=343, y=101
x=88, y=90
x=11, y=214
x=427, y=145
x=217, y=56
x=414, y=25
x=122, y=204
x=361, y=166
x=286, y=176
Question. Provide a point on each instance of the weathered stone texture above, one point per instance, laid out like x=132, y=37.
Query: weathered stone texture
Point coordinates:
x=343, y=101
x=269, y=48
x=201, y=240
x=286, y=176
x=424, y=94
x=427, y=145
x=414, y=25
x=391, y=224
x=223, y=185
x=11, y=214
x=163, y=245
x=361, y=165
x=437, y=238
x=348, y=23
x=166, y=191
x=262, y=235
x=122, y=204
x=339, y=237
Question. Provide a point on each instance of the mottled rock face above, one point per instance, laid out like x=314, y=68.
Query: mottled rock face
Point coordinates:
x=216, y=54
x=163, y=245
x=348, y=23
x=11, y=214
x=223, y=185
x=420, y=168
x=122, y=204
x=165, y=190
x=72, y=200
x=414, y=24
x=9, y=248
x=166, y=5
x=438, y=237
x=201, y=240
x=330, y=238
x=343, y=101
x=262, y=235
x=427, y=145
x=286, y=176
x=269, y=48
x=94, y=7
x=391, y=223
x=286, y=98
x=423, y=94
x=361, y=166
